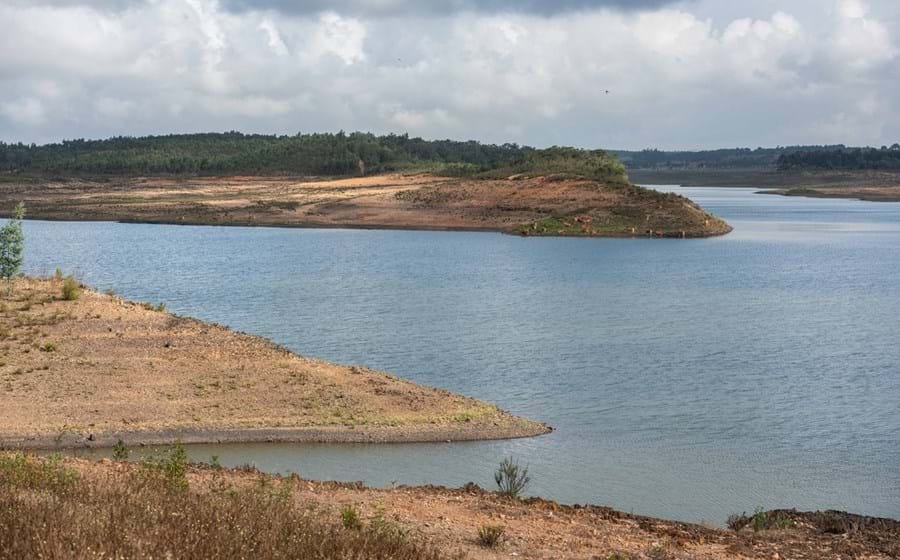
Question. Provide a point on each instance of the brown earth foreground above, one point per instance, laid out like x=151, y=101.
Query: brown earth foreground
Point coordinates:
x=525, y=205
x=91, y=371
x=116, y=507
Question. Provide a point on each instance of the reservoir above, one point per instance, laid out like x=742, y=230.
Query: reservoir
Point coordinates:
x=686, y=379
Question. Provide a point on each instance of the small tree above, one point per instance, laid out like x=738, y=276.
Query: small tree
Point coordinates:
x=12, y=247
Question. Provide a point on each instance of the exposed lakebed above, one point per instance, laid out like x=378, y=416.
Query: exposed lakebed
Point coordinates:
x=686, y=379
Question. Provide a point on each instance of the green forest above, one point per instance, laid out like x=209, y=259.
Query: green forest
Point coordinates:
x=339, y=154
x=885, y=158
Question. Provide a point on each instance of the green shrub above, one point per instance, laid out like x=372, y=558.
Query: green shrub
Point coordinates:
x=489, y=536
x=350, y=518
x=386, y=529
x=172, y=466
x=760, y=521
x=48, y=347
x=511, y=479
x=71, y=289
x=120, y=452
x=19, y=469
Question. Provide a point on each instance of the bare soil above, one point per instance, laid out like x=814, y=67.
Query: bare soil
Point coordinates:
x=537, y=528
x=91, y=371
x=407, y=201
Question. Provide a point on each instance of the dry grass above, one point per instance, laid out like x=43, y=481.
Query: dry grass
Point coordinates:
x=48, y=511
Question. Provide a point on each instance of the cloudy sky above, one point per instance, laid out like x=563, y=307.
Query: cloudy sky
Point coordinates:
x=679, y=74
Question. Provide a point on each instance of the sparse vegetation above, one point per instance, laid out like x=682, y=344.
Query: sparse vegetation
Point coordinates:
x=71, y=289
x=511, y=479
x=48, y=347
x=490, y=536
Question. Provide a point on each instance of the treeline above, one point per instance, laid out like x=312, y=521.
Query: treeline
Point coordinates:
x=728, y=158
x=338, y=154
x=885, y=158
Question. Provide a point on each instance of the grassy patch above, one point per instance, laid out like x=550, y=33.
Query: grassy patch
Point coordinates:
x=547, y=226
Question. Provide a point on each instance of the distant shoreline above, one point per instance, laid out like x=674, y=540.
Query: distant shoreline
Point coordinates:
x=874, y=186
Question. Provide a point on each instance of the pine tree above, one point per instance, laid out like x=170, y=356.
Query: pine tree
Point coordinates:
x=12, y=247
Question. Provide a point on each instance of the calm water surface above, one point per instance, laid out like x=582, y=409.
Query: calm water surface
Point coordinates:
x=686, y=379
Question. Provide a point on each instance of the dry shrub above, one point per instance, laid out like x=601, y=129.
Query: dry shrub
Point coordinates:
x=490, y=536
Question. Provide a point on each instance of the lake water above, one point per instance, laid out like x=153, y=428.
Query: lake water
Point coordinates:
x=686, y=379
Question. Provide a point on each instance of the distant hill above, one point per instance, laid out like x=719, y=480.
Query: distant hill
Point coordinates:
x=341, y=154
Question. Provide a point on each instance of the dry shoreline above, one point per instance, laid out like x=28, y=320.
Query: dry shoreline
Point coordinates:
x=188, y=436
x=555, y=205
x=99, y=369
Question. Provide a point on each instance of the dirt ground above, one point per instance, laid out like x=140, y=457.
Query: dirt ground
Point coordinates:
x=407, y=201
x=536, y=528
x=90, y=371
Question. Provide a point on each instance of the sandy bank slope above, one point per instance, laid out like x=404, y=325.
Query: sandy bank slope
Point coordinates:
x=100, y=368
x=528, y=205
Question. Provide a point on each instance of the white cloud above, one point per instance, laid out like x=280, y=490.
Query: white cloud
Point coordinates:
x=276, y=43
x=853, y=9
x=337, y=36
x=861, y=42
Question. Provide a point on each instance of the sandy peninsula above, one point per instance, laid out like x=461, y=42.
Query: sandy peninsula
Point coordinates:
x=526, y=205
x=94, y=370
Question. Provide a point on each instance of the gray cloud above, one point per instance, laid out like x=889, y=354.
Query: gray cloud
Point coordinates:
x=419, y=7
x=681, y=76
x=113, y=5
